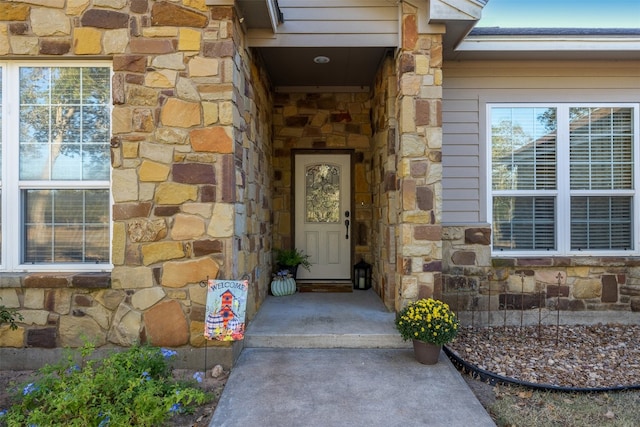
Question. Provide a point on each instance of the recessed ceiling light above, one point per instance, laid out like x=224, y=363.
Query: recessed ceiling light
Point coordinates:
x=321, y=60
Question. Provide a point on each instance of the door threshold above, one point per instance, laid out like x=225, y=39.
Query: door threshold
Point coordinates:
x=324, y=285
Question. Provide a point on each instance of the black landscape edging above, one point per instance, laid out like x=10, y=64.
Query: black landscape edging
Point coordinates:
x=493, y=379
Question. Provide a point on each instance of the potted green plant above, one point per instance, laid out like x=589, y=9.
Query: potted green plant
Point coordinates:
x=290, y=259
x=430, y=323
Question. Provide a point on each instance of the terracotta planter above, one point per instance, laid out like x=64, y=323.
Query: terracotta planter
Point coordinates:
x=426, y=353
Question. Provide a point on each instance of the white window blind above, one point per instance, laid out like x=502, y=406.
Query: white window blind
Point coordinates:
x=563, y=178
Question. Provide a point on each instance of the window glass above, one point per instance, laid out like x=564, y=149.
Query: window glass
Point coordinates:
x=61, y=183
x=563, y=178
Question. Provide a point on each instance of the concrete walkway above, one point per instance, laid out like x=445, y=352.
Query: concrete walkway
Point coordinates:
x=323, y=359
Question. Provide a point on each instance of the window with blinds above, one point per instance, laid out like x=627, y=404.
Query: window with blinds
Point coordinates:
x=563, y=178
x=58, y=166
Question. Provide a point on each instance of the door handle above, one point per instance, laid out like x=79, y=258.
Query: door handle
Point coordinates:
x=346, y=224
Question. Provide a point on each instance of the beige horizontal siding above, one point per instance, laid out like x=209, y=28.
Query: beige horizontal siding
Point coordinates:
x=332, y=23
x=468, y=86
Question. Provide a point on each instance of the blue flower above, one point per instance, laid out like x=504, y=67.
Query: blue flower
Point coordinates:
x=146, y=375
x=198, y=376
x=72, y=369
x=175, y=408
x=29, y=388
x=166, y=353
x=105, y=421
x=3, y=412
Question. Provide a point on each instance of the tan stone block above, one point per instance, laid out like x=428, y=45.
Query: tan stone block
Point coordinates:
x=160, y=32
x=34, y=317
x=161, y=251
x=112, y=4
x=121, y=120
x=210, y=112
x=198, y=294
x=142, y=96
x=5, y=46
x=422, y=64
x=11, y=338
x=100, y=314
x=213, y=139
x=124, y=185
x=578, y=272
x=226, y=113
x=147, y=230
x=178, y=294
x=412, y=145
x=130, y=150
x=204, y=210
x=196, y=333
x=180, y=113
x=203, y=67
x=173, y=61
x=23, y=45
x=126, y=326
x=358, y=141
x=171, y=193
x=76, y=7
x=187, y=227
x=189, y=39
x=410, y=85
x=515, y=284
x=171, y=136
x=118, y=243
x=166, y=325
x=145, y=298
x=587, y=288
x=177, y=274
x=9, y=298
x=34, y=298
x=153, y=171
x=131, y=278
x=74, y=331
x=61, y=300
x=14, y=12
x=408, y=114
x=196, y=4
x=160, y=153
x=222, y=220
x=336, y=141
x=49, y=22
x=116, y=41
x=87, y=41
x=161, y=79
x=109, y=298
x=437, y=77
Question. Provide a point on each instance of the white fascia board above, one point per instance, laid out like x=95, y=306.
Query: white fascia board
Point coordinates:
x=514, y=43
x=455, y=10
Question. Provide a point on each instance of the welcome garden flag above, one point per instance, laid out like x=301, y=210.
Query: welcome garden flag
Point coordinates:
x=226, y=309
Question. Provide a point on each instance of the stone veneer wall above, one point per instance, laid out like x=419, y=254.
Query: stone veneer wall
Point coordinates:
x=191, y=170
x=384, y=177
x=322, y=121
x=474, y=281
x=418, y=235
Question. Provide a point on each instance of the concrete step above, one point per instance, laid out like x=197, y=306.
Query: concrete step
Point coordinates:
x=324, y=320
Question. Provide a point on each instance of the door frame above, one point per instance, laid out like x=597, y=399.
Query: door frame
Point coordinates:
x=352, y=203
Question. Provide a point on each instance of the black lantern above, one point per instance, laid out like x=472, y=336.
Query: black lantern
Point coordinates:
x=362, y=275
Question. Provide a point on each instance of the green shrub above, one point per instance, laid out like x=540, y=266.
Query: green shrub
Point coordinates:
x=129, y=388
x=9, y=315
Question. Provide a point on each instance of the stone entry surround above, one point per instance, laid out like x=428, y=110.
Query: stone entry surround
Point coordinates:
x=191, y=168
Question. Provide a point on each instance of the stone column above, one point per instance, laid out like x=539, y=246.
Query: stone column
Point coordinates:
x=419, y=167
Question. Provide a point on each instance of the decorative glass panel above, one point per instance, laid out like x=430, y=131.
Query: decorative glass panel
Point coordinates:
x=523, y=144
x=64, y=123
x=322, y=193
x=66, y=226
x=601, y=223
x=524, y=223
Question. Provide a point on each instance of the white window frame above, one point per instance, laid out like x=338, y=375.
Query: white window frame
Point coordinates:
x=12, y=217
x=563, y=193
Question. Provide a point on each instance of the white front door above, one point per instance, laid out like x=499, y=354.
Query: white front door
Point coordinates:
x=323, y=214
